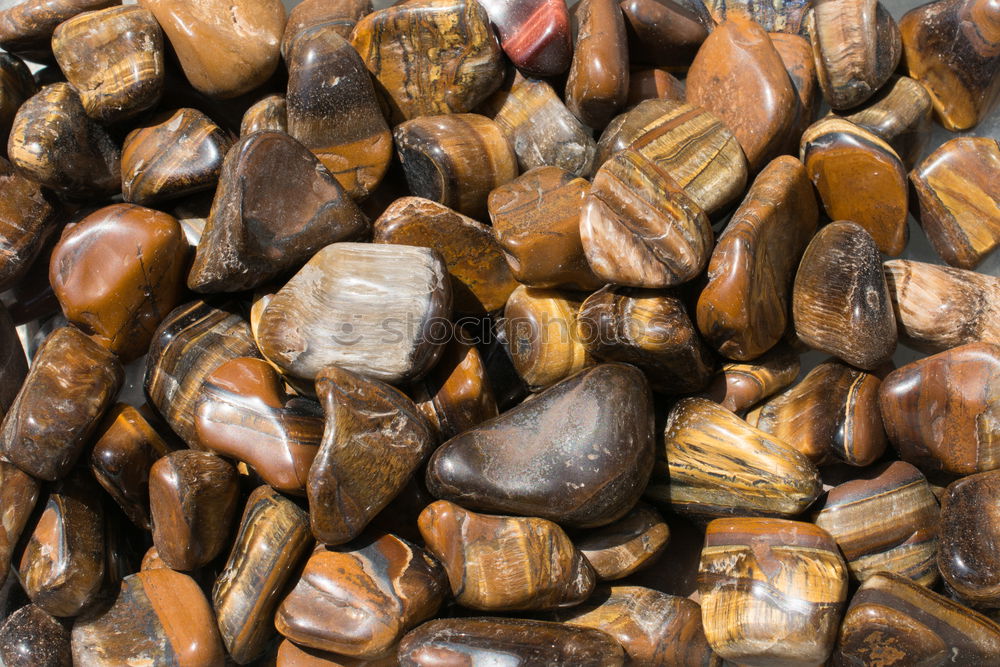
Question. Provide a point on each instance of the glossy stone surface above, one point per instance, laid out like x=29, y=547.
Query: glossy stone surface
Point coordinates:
x=114, y=59
x=125, y=447
x=290, y=654
x=885, y=521
x=244, y=412
x=938, y=307
x=739, y=76
x=395, y=44
x=738, y=386
x=831, y=415
x=455, y=159
x=541, y=130
x=856, y=45
x=481, y=281
x=743, y=310
x=275, y=207
x=536, y=221
x=894, y=621
x=712, y=463
x=72, y=382
x=840, y=302
x=18, y=495
x=578, y=453
x=28, y=216
x=374, y=440
x=796, y=55
x=505, y=563
x=940, y=411
x=650, y=83
x=53, y=142
x=173, y=155
x=268, y=113
x=225, y=50
x=333, y=111
x=650, y=329
x=900, y=113
x=26, y=27
x=852, y=167
x=118, y=272
x=324, y=316
x=776, y=16
x=32, y=638
x=654, y=628
x=598, y=75
x=339, y=15
x=62, y=564
x=193, y=500
x=959, y=199
x=772, y=591
x=627, y=545
x=272, y=540
x=951, y=48
x=158, y=617
x=640, y=227
x=455, y=642
x=970, y=531
x=535, y=35
x=361, y=598
x=662, y=32
x=191, y=342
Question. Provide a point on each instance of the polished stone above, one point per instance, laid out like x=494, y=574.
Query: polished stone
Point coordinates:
x=739, y=386
x=776, y=16
x=663, y=33
x=18, y=496
x=16, y=85
x=598, y=75
x=268, y=113
x=534, y=34
x=796, y=54
x=625, y=546
x=31, y=637
x=29, y=214
x=26, y=27
x=900, y=113
x=338, y=15
x=652, y=83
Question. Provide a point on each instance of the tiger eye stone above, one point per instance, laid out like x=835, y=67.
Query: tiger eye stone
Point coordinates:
x=174, y=155
x=970, y=530
x=640, y=227
x=275, y=207
x=125, y=448
x=340, y=15
x=796, y=55
x=938, y=307
x=62, y=564
x=959, y=199
x=16, y=85
x=894, y=621
x=578, y=453
x=627, y=545
x=776, y=16
x=772, y=591
x=535, y=35
x=952, y=48
x=739, y=76
x=598, y=75
x=53, y=142
x=29, y=214
x=663, y=33
x=852, y=167
x=654, y=628
x=72, y=382
x=192, y=500
x=738, y=386
x=31, y=637
x=651, y=83
x=269, y=113
x=885, y=521
x=743, y=310
x=832, y=414
x=430, y=56
x=539, y=127
x=158, y=617
x=243, y=412
x=290, y=654
x=712, y=463
x=13, y=364
x=536, y=221
x=900, y=113
x=374, y=440
x=940, y=411
x=360, y=599
x=543, y=336
x=505, y=563
x=629, y=125
x=272, y=540
x=18, y=495
x=856, y=46
x=455, y=159
x=225, y=50
x=481, y=281
x=26, y=27
x=114, y=58
x=650, y=329
x=191, y=342
x=840, y=301
x=118, y=272
x=324, y=315
x=333, y=111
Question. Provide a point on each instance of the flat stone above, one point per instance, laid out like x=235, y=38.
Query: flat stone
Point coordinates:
x=598, y=75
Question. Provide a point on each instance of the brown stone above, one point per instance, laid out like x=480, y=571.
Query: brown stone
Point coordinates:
x=268, y=113
x=900, y=113
x=31, y=637
x=598, y=76
x=662, y=32
x=738, y=386
x=970, y=529
x=18, y=495
x=26, y=27
x=28, y=216
x=627, y=545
